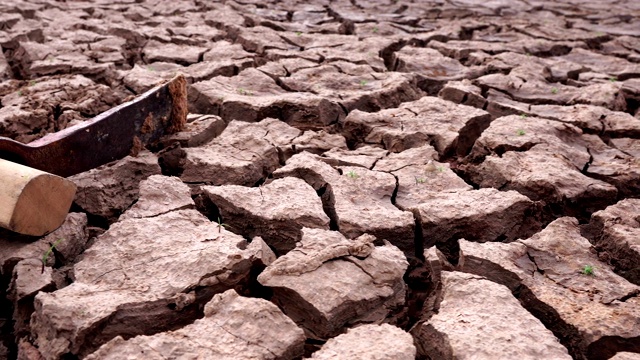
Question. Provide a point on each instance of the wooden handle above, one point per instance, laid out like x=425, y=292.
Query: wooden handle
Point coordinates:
x=33, y=202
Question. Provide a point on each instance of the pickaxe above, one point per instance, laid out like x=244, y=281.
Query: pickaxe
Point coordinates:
x=35, y=197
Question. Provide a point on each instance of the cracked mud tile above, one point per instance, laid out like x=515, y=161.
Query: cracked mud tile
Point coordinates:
x=466, y=324
x=354, y=282
x=557, y=277
x=355, y=86
x=108, y=190
x=615, y=231
x=547, y=177
x=356, y=199
x=243, y=154
x=252, y=96
x=276, y=211
x=381, y=342
x=233, y=327
x=449, y=127
x=433, y=69
x=116, y=289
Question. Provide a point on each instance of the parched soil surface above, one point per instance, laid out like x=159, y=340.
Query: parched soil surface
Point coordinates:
x=447, y=179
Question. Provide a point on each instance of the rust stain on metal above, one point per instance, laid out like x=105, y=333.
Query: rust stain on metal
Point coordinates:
x=136, y=147
x=148, y=125
x=178, y=92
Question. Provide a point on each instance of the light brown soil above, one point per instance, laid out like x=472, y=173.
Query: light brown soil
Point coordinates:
x=465, y=171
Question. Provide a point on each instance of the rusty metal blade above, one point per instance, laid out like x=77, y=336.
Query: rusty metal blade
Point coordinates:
x=112, y=135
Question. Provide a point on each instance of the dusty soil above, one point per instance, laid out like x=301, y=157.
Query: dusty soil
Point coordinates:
x=357, y=180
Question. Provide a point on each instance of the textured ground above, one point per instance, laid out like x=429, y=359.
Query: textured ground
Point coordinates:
x=357, y=180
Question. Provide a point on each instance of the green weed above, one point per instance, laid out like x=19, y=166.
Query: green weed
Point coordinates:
x=221, y=225
x=47, y=253
x=588, y=270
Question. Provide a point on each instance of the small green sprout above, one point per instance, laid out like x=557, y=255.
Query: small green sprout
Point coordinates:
x=520, y=132
x=221, y=225
x=242, y=91
x=588, y=270
x=363, y=82
x=352, y=174
x=150, y=68
x=554, y=90
x=20, y=93
x=420, y=180
x=47, y=253
x=298, y=33
x=32, y=82
x=524, y=116
x=440, y=168
x=613, y=79
x=375, y=29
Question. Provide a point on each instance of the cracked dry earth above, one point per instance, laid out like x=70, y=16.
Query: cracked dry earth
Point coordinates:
x=446, y=179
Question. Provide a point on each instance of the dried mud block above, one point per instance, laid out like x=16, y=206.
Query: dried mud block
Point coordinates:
x=463, y=92
x=589, y=118
x=141, y=276
x=558, y=278
x=145, y=77
x=627, y=145
x=318, y=142
x=32, y=59
x=625, y=356
x=419, y=177
x=233, y=327
x=41, y=107
x=158, y=195
x=258, y=39
x=329, y=281
x=276, y=211
x=110, y=189
x=334, y=48
x=243, y=154
x=28, y=279
x=517, y=133
x=545, y=176
x=180, y=54
x=284, y=67
x=449, y=127
x=588, y=153
x=536, y=91
x=199, y=130
x=70, y=240
x=462, y=49
x=369, y=342
x=466, y=325
x=615, y=231
x=252, y=96
x=356, y=199
x=495, y=216
x=355, y=86
x=26, y=351
x=611, y=65
x=432, y=68
x=5, y=70
x=365, y=156
x=613, y=166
